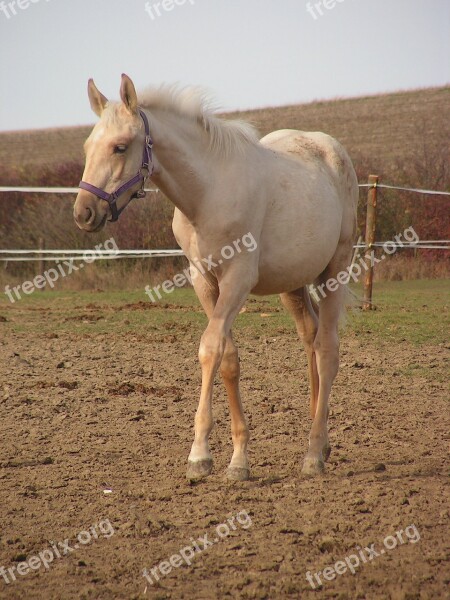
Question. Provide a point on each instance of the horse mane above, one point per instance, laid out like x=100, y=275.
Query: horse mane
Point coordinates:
x=195, y=103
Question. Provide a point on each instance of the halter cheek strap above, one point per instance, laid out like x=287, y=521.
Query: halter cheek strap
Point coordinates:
x=146, y=165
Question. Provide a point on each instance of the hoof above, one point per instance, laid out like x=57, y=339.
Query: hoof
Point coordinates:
x=313, y=467
x=326, y=452
x=199, y=468
x=238, y=474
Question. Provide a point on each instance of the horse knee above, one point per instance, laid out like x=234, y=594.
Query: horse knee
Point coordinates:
x=229, y=368
x=212, y=346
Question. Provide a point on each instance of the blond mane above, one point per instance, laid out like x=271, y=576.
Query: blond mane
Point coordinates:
x=195, y=104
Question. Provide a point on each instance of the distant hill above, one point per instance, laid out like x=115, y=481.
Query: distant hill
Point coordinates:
x=375, y=130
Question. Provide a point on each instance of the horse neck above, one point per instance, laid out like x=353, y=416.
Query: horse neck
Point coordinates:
x=181, y=160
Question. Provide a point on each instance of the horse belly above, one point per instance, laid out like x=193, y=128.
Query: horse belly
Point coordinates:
x=284, y=273
x=297, y=243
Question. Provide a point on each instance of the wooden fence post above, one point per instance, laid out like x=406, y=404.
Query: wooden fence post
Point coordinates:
x=41, y=261
x=371, y=221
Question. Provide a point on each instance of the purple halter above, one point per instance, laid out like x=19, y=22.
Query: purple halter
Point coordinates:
x=112, y=198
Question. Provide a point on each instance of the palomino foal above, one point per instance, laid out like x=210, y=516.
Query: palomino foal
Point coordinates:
x=294, y=192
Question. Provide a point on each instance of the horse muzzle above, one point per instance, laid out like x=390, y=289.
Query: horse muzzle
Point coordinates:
x=87, y=215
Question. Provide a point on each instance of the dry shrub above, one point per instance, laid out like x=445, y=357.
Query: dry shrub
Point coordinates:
x=107, y=275
x=402, y=268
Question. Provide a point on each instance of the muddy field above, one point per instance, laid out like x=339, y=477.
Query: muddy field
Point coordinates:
x=97, y=400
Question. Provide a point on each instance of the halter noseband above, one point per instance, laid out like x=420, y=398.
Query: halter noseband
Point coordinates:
x=147, y=160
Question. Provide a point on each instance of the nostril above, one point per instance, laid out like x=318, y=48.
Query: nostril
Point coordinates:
x=89, y=216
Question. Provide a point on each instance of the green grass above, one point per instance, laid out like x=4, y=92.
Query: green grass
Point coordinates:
x=412, y=311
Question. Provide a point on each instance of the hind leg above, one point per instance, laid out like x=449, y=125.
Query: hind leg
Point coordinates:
x=326, y=348
x=298, y=303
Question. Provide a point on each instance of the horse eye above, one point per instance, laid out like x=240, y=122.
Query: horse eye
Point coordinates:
x=120, y=149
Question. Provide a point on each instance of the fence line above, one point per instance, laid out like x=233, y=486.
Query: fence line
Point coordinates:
x=49, y=255
x=53, y=190
x=90, y=258
x=93, y=255
x=419, y=245
x=395, y=187
x=162, y=252
x=75, y=190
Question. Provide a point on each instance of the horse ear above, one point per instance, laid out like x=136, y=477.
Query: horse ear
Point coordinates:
x=97, y=99
x=128, y=94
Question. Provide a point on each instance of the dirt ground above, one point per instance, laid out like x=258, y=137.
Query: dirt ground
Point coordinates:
x=96, y=427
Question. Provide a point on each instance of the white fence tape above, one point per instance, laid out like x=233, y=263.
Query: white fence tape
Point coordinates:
x=423, y=246
x=395, y=187
x=99, y=252
x=92, y=255
x=52, y=190
x=87, y=255
x=89, y=258
x=74, y=190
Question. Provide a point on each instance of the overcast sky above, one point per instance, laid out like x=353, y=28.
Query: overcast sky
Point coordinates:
x=249, y=53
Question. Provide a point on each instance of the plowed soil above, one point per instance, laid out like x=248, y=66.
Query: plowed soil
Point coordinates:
x=97, y=417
